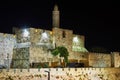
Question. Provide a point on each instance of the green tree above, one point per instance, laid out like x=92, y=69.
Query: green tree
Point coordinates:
x=62, y=52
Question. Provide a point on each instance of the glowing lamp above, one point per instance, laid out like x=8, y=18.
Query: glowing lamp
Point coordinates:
x=14, y=36
x=75, y=39
x=44, y=35
x=51, y=32
x=25, y=33
x=36, y=30
x=4, y=35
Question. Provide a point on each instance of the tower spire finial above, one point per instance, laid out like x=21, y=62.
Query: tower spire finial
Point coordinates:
x=56, y=7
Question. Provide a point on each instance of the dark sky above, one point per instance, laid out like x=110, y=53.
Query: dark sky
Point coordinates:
x=98, y=20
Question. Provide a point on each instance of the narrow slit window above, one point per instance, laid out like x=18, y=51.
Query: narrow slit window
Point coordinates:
x=64, y=34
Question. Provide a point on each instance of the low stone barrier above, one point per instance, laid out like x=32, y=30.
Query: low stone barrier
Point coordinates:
x=61, y=74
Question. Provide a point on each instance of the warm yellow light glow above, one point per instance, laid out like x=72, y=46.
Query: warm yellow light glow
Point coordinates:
x=36, y=30
x=51, y=32
x=4, y=35
x=14, y=36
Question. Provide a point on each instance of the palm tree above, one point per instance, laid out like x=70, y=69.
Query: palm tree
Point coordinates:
x=62, y=52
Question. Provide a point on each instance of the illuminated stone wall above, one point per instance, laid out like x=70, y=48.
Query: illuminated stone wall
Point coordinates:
x=39, y=54
x=116, y=59
x=99, y=60
x=61, y=74
x=80, y=57
x=36, y=42
x=78, y=43
x=24, y=57
x=78, y=39
x=56, y=37
x=36, y=36
x=22, y=35
x=40, y=42
x=7, y=43
x=21, y=51
x=63, y=37
x=32, y=35
x=20, y=58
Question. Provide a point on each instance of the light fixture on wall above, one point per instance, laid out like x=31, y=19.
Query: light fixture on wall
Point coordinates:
x=25, y=33
x=44, y=37
x=75, y=39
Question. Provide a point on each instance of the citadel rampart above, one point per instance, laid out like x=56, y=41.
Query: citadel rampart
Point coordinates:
x=61, y=74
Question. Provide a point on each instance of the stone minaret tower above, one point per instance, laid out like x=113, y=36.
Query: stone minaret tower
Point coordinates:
x=55, y=17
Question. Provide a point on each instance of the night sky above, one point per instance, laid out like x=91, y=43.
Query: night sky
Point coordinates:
x=97, y=20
